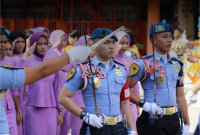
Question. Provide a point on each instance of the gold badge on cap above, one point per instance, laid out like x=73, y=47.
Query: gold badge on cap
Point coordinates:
x=134, y=69
x=160, y=79
x=97, y=83
x=3, y=93
x=71, y=74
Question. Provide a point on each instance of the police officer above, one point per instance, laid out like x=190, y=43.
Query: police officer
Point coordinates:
x=169, y=86
x=112, y=92
x=11, y=77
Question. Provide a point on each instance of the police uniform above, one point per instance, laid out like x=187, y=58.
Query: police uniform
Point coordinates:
x=113, y=88
x=10, y=79
x=169, y=76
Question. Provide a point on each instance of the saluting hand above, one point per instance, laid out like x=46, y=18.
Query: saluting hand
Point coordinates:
x=14, y=43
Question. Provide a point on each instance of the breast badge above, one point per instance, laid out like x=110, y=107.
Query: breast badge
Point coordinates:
x=97, y=83
x=160, y=79
x=71, y=74
x=134, y=69
x=176, y=68
x=118, y=72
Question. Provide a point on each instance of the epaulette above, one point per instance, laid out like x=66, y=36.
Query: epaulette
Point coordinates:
x=146, y=56
x=84, y=62
x=176, y=59
x=118, y=63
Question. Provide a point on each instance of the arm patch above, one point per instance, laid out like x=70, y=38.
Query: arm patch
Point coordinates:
x=134, y=69
x=71, y=74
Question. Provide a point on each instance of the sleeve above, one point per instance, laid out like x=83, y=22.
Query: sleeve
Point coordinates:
x=125, y=94
x=75, y=80
x=180, y=81
x=11, y=78
x=137, y=71
x=57, y=86
x=21, y=63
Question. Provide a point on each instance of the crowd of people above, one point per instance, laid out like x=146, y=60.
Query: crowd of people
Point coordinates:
x=64, y=100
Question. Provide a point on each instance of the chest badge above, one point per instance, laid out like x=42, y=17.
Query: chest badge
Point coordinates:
x=118, y=72
x=160, y=79
x=176, y=68
x=97, y=83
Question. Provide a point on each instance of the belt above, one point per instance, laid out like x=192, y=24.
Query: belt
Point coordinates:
x=113, y=120
x=169, y=110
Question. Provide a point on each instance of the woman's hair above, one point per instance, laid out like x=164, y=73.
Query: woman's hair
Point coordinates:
x=9, y=41
x=3, y=32
x=27, y=33
x=74, y=34
x=132, y=38
x=15, y=34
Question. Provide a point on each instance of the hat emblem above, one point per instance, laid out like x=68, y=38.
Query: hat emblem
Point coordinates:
x=159, y=27
x=103, y=32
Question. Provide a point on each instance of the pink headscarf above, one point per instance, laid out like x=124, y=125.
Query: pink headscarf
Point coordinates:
x=120, y=35
x=41, y=29
x=81, y=40
x=56, y=35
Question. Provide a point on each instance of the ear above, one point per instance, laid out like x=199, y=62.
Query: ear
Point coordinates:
x=76, y=38
x=151, y=40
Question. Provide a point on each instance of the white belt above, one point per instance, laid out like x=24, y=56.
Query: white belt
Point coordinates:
x=113, y=120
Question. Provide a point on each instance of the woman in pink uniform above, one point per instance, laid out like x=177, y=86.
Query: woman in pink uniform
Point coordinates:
x=61, y=37
x=41, y=105
x=122, y=46
x=8, y=99
x=19, y=45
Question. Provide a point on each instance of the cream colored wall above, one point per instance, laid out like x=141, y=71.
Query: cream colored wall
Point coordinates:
x=186, y=22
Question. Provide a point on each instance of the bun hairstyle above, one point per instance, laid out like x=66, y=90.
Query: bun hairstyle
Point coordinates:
x=132, y=38
x=15, y=34
x=74, y=34
x=27, y=33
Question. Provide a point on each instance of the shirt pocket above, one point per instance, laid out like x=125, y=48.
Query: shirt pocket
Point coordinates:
x=175, y=78
x=119, y=84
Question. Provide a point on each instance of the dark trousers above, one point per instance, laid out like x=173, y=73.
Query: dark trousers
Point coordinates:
x=118, y=129
x=167, y=125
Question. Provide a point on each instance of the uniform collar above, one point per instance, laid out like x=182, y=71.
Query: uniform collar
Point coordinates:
x=158, y=56
x=97, y=62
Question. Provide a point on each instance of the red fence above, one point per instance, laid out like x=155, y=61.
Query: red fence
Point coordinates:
x=139, y=28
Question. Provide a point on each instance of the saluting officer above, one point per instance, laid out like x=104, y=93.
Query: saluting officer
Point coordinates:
x=112, y=92
x=169, y=86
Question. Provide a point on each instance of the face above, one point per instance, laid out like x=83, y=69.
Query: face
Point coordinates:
x=19, y=45
x=63, y=42
x=42, y=46
x=3, y=43
x=177, y=34
x=72, y=40
x=90, y=42
x=106, y=50
x=9, y=50
x=125, y=44
x=163, y=42
x=47, y=35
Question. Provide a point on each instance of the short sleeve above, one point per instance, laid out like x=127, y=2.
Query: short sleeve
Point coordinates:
x=75, y=81
x=11, y=78
x=180, y=81
x=137, y=71
x=125, y=93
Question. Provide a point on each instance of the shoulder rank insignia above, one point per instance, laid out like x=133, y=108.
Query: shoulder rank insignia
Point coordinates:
x=71, y=74
x=118, y=63
x=146, y=56
x=176, y=59
x=134, y=69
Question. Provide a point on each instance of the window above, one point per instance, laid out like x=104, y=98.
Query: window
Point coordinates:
x=67, y=16
x=119, y=16
x=131, y=15
x=42, y=15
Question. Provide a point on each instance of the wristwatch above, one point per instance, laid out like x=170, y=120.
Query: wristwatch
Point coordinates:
x=83, y=114
x=141, y=103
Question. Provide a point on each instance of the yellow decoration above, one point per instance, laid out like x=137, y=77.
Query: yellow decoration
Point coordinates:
x=3, y=93
x=193, y=73
x=159, y=27
x=15, y=57
x=8, y=63
x=134, y=69
x=71, y=73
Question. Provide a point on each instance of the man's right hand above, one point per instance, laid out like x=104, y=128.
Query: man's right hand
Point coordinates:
x=93, y=120
x=79, y=54
x=151, y=108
